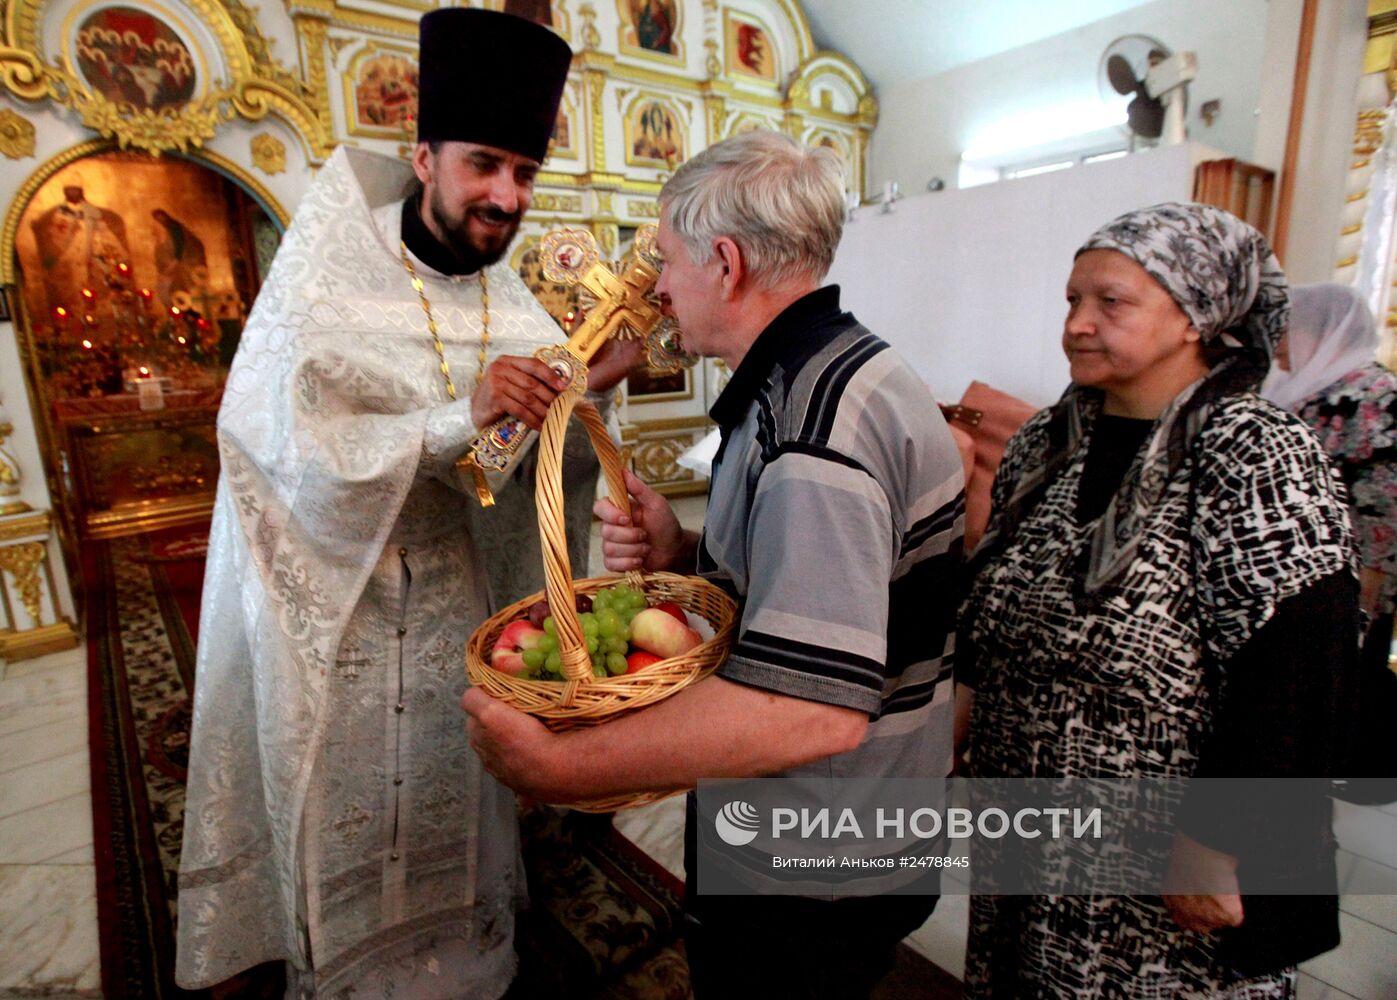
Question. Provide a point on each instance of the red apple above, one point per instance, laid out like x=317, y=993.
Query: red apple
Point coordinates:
x=656, y=631
x=670, y=608
x=508, y=654
x=640, y=659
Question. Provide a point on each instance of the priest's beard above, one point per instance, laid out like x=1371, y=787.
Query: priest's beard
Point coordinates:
x=457, y=238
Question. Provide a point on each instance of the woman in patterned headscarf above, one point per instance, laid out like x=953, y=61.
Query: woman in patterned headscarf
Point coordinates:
x=1161, y=540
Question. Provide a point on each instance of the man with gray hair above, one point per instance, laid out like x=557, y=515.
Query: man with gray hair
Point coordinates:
x=835, y=516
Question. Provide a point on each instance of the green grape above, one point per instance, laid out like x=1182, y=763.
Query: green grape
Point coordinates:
x=598, y=671
x=550, y=626
x=601, y=601
x=592, y=642
x=554, y=662
x=637, y=600
x=616, y=645
x=548, y=643
x=589, y=623
x=534, y=658
x=615, y=663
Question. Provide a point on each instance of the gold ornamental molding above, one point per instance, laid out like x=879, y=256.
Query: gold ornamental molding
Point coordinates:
x=36, y=523
x=17, y=135
x=22, y=562
x=557, y=203
x=247, y=82
x=207, y=157
x=268, y=153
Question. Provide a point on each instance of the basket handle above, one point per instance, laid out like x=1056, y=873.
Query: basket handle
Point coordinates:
x=557, y=567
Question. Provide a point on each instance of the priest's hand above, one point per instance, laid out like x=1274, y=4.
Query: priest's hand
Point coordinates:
x=514, y=747
x=616, y=359
x=650, y=539
x=516, y=387
x=1209, y=896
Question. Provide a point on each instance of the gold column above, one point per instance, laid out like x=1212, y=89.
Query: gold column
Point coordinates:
x=32, y=625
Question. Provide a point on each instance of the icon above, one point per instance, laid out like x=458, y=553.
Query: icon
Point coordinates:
x=737, y=823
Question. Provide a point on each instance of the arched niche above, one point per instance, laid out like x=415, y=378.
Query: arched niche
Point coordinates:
x=132, y=277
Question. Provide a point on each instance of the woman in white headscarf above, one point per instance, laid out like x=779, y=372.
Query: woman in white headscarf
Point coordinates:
x=1328, y=374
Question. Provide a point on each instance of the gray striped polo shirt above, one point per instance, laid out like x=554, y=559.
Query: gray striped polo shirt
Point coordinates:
x=835, y=517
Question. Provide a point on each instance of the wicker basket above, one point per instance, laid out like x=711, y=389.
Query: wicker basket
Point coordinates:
x=583, y=699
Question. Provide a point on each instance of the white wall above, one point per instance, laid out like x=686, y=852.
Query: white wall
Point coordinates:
x=924, y=125
x=1326, y=141
x=969, y=284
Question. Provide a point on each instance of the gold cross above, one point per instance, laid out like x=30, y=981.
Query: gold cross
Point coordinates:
x=570, y=256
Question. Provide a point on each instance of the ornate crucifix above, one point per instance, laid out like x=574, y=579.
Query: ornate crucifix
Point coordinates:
x=625, y=308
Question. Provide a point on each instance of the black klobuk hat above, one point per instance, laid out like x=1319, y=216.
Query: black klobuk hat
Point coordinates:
x=489, y=78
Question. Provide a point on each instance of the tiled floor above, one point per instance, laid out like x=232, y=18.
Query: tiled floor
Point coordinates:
x=48, y=910
x=48, y=901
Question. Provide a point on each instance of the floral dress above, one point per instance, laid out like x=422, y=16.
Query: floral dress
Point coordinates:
x=1356, y=420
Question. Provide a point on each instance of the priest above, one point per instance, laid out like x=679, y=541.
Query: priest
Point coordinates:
x=336, y=818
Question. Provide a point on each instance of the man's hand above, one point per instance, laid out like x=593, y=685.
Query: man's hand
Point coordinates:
x=514, y=747
x=650, y=539
x=516, y=387
x=616, y=359
x=1211, y=877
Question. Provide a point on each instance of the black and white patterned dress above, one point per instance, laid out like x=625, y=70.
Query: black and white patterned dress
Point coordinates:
x=1116, y=683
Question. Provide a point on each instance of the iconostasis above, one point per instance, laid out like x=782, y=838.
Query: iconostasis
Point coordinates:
x=155, y=149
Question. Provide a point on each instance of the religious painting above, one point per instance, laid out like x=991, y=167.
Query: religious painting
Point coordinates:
x=561, y=144
x=748, y=122
x=651, y=28
x=654, y=136
x=651, y=386
x=538, y=11
x=135, y=268
x=748, y=47
x=383, y=88
x=130, y=56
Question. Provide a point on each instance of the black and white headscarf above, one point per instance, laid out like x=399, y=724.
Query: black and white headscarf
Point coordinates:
x=1222, y=273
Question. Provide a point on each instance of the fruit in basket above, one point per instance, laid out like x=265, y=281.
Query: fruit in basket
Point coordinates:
x=673, y=610
x=518, y=641
x=539, y=610
x=640, y=659
x=657, y=631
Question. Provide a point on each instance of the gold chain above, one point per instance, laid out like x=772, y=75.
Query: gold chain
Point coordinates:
x=419, y=288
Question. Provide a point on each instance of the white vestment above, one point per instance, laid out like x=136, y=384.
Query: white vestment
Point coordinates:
x=336, y=816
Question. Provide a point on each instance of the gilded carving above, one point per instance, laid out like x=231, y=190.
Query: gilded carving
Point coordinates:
x=557, y=203
x=596, y=85
x=645, y=209
x=22, y=562
x=604, y=202
x=338, y=43
x=591, y=37
x=657, y=459
x=712, y=67
x=16, y=135
x=268, y=153
x=606, y=234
